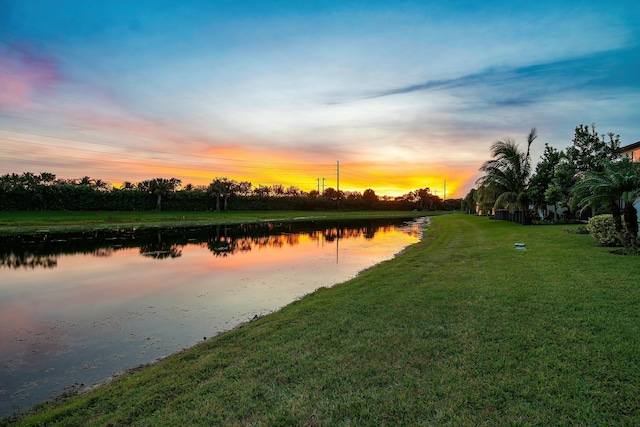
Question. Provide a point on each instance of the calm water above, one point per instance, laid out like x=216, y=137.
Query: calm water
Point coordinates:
x=77, y=308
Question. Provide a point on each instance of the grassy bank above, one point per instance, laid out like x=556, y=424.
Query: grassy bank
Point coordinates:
x=60, y=221
x=461, y=329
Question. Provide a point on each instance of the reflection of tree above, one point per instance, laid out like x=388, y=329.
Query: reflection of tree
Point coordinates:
x=222, y=246
x=161, y=252
x=228, y=240
x=103, y=252
x=350, y=232
x=42, y=249
x=160, y=249
x=27, y=260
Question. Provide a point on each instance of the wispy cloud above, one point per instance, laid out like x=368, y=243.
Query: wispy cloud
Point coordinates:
x=23, y=74
x=130, y=91
x=609, y=69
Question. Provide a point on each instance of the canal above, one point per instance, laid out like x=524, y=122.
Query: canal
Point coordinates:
x=76, y=308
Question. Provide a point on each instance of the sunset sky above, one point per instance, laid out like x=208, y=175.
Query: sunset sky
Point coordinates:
x=404, y=95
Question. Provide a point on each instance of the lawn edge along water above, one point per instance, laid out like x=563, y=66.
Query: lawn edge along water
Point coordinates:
x=461, y=328
x=25, y=222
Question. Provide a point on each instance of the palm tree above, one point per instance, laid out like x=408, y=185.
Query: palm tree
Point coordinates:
x=160, y=187
x=507, y=175
x=469, y=201
x=617, y=182
x=222, y=187
x=485, y=199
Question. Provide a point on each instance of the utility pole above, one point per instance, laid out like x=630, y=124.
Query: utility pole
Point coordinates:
x=338, y=176
x=323, y=180
x=318, y=179
x=445, y=190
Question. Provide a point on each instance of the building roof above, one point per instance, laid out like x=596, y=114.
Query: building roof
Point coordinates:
x=630, y=147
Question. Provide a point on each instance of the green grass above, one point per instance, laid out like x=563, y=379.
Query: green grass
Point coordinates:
x=460, y=329
x=61, y=221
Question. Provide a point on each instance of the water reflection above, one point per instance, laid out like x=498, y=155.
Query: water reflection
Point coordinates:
x=42, y=249
x=75, y=308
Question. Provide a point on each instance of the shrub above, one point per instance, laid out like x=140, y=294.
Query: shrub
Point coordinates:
x=603, y=230
x=578, y=230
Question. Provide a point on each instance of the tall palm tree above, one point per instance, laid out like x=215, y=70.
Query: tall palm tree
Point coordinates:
x=222, y=187
x=160, y=187
x=507, y=174
x=485, y=199
x=469, y=203
x=618, y=182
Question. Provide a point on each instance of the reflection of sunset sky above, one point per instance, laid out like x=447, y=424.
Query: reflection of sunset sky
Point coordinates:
x=103, y=311
x=86, y=286
x=404, y=95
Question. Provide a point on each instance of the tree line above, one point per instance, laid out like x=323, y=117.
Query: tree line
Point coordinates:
x=44, y=191
x=591, y=176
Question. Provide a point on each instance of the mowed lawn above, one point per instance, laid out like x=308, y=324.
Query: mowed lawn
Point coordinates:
x=460, y=329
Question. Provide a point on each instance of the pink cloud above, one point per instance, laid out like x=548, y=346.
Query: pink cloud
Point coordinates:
x=129, y=125
x=25, y=75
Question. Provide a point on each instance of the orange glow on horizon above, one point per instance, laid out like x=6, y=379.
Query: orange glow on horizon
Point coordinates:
x=262, y=168
x=199, y=163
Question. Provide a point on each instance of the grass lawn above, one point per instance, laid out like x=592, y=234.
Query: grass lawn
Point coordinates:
x=60, y=221
x=460, y=329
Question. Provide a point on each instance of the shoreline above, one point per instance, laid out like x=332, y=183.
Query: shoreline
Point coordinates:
x=82, y=388
x=461, y=328
x=15, y=223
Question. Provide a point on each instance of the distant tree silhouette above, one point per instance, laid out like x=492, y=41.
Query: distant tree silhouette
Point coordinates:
x=222, y=188
x=370, y=196
x=127, y=185
x=160, y=187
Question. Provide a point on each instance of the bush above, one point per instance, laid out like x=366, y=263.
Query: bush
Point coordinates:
x=578, y=230
x=603, y=230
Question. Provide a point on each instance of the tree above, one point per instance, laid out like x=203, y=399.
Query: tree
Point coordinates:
x=101, y=185
x=543, y=177
x=86, y=181
x=222, y=188
x=95, y=184
x=589, y=149
x=127, y=185
x=485, y=199
x=586, y=154
x=278, y=190
x=469, y=201
x=507, y=175
x=262, y=191
x=160, y=187
x=370, y=197
x=244, y=188
x=333, y=194
x=293, y=191
x=47, y=178
x=616, y=182
x=452, y=204
x=427, y=201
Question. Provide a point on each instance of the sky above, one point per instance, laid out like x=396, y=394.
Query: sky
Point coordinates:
x=388, y=95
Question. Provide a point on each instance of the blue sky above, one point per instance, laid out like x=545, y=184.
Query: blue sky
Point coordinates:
x=404, y=95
